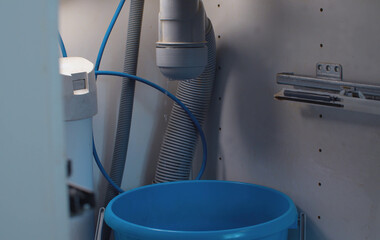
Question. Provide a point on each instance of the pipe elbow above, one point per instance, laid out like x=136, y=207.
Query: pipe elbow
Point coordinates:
x=181, y=51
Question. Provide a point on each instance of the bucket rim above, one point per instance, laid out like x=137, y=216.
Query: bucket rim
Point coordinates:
x=283, y=222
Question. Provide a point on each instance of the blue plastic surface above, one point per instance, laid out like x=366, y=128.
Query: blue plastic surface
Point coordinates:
x=201, y=210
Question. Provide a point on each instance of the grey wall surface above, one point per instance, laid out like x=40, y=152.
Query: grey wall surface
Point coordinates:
x=327, y=160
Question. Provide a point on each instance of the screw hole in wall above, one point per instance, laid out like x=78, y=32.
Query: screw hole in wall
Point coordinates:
x=320, y=116
x=319, y=184
x=321, y=9
x=321, y=45
x=320, y=150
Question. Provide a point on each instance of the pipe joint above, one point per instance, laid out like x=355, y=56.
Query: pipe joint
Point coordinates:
x=181, y=50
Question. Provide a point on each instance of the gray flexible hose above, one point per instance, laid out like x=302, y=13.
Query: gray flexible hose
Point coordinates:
x=178, y=147
x=126, y=100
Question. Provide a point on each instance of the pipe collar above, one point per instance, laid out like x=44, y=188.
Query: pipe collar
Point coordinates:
x=181, y=51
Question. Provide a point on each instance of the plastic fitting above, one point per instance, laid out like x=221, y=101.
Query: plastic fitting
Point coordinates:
x=181, y=51
x=78, y=77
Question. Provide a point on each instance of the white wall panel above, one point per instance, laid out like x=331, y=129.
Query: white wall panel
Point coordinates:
x=33, y=199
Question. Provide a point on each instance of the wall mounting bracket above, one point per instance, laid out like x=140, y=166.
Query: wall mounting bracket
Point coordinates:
x=329, y=89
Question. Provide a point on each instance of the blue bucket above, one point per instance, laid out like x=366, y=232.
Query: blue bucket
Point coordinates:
x=201, y=210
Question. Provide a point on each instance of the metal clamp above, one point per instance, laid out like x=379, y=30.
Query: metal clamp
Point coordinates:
x=302, y=225
x=99, y=224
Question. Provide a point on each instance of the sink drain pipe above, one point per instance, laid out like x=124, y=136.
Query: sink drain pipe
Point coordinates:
x=126, y=101
x=180, y=139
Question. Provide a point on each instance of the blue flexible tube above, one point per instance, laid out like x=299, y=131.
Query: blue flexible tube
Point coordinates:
x=101, y=168
x=107, y=35
x=62, y=45
x=175, y=99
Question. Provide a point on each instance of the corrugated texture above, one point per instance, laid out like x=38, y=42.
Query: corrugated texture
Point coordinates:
x=180, y=140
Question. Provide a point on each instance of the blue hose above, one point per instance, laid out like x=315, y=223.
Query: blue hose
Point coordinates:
x=62, y=45
x=101, y=168
x=175, y=99
x=107, y=35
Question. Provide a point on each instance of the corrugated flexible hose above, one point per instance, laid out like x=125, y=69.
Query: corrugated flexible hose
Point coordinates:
x=180, y=139
x=126, y=100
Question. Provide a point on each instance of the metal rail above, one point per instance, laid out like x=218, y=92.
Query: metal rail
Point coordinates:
x=369, y=91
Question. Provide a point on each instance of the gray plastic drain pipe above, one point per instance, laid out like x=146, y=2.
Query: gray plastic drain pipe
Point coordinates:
x=181, y=51
x=180, y=140
x=126, y=101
